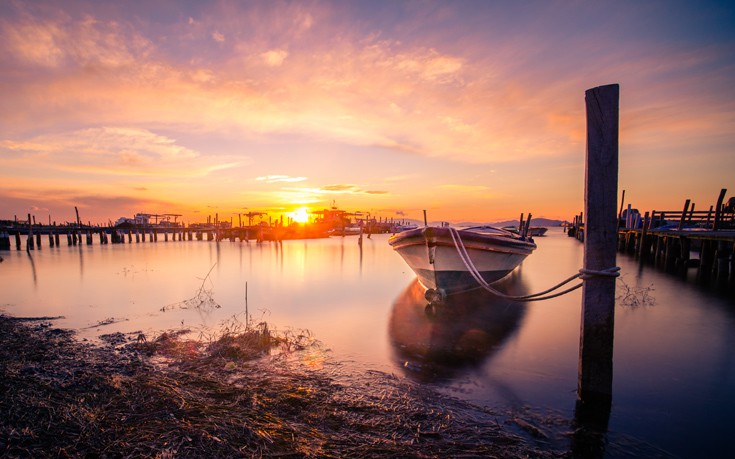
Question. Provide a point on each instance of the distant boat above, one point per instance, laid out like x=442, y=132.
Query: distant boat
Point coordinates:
x=351, y=230
x=450, y=260
x=407, y=227
x=537, y=231
x=533, y=231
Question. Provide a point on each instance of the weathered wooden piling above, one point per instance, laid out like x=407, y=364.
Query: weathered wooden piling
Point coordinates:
x=643, y=245
x=718, y=209
x=722, y=266
x=601, y=231
x=4, y=240
x=684, y=215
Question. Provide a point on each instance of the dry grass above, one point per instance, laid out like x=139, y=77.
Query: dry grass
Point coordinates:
x=241, y=392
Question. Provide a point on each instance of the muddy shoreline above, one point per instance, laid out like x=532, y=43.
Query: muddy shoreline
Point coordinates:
x=169, y=397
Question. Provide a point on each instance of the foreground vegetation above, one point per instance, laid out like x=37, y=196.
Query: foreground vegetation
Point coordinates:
x=246, y=392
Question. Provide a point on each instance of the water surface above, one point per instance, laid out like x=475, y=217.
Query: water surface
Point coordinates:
x=674, y=368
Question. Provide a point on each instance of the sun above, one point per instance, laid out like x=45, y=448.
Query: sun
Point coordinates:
x=300, y=215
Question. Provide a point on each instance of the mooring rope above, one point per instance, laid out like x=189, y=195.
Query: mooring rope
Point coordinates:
x=583, y=274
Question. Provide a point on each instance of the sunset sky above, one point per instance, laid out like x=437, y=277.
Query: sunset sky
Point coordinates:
x=473, y=110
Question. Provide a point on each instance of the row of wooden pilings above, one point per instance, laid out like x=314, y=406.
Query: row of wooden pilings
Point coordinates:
x=710, y=253
x=34, y=240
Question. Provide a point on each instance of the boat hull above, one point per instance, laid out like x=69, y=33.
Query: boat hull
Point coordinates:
x=537, y=231
x=432, y=254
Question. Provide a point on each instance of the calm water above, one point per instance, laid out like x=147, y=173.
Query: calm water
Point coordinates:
x=674, y=382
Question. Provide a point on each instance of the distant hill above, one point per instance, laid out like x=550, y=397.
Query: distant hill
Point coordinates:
x=548, y=223
x=534, y=222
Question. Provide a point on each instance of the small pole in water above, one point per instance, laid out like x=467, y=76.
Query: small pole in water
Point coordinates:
x=600, y=246
x=425, y=221
x=29, y=241
x=526, y=227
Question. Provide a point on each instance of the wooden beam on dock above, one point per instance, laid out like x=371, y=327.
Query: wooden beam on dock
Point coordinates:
x=683, y=218
x=718, y=209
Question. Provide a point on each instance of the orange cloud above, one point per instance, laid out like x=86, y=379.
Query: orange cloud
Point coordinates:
x=116, y=151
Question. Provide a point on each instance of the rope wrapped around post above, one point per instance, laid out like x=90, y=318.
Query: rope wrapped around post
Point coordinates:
x=590, y=273
x=582, y=274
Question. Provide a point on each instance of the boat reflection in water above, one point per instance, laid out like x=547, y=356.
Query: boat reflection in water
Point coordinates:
x=435, y=343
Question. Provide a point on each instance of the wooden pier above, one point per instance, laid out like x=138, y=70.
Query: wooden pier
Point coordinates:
x=680, y=240
x=32, y=236
x=36, y=236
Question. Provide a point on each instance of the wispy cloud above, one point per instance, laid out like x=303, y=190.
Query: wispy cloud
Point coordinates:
x=60, y=40
x=218, y=37
x=279, y=178
x=113, y=151
x=345, y=189
x=274, y=57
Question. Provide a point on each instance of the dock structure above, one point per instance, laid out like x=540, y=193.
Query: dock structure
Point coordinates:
x=79, y=235
x=679, y=240
x=30, y=235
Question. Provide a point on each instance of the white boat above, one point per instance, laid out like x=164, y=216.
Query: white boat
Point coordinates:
x=401, y=228
x=347, y=231
x=448, y=260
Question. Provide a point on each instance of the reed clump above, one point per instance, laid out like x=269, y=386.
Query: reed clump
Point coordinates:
x=245, y=391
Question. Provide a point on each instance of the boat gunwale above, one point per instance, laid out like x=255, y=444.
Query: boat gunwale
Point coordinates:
x=472, y=241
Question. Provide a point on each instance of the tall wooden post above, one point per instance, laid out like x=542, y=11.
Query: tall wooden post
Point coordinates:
x=600, y=227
